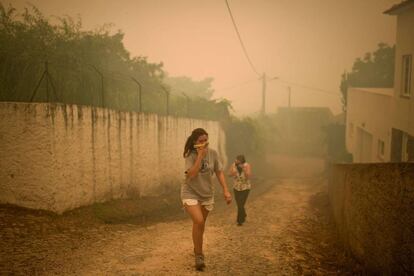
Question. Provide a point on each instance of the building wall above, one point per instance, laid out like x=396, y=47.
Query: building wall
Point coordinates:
x=373, y=208
x=59, y=157
x=368, y=119
x=403, y=108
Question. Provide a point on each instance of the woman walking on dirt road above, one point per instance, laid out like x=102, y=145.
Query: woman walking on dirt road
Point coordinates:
x=197, y=192
x=240, y=170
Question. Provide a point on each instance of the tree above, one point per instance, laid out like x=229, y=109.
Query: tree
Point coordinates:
x=75, y=58
x=190, y=87
x=373, y=70
x=88, y=68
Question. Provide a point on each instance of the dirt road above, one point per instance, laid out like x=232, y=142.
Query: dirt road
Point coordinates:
x=288, y=232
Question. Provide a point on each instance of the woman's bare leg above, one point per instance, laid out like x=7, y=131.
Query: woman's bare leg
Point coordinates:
x=205, y=213
x=198, y=215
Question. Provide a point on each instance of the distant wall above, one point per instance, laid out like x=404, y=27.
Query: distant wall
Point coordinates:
x=373, y=207
x=58, y=157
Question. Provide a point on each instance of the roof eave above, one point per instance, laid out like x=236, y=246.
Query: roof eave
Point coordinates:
x=399, y=8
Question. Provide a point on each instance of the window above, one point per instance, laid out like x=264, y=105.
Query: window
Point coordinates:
x=406, y=75
x=381, y=148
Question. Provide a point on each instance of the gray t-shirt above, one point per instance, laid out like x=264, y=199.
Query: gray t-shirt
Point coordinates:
x=201, y=186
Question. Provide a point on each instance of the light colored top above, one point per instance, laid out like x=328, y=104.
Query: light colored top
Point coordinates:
x=240, y=181
x=201, y=186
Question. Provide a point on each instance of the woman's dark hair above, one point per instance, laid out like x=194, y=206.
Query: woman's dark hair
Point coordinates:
x=241, y=158
x=189, y=145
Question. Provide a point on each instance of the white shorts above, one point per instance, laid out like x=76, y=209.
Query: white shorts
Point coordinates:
x=209, y=204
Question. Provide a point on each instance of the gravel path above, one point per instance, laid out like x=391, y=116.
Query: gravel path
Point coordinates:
x=288, y=232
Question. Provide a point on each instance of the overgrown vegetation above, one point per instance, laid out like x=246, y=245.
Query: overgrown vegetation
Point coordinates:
x=45, y=61
x=59, y=61
x=375, y=69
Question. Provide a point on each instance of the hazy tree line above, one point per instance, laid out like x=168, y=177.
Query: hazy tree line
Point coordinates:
x=58, y=61
x=375, y=69
x=92, y=67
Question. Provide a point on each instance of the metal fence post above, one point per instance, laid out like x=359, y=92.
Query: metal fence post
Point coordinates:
x=168, y=99
x=102, y=85
x=139, y=94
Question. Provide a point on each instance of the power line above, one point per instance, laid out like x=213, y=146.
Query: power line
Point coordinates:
x=236, y=85
x=320, y=90
x=314, y=90
x=240, y=39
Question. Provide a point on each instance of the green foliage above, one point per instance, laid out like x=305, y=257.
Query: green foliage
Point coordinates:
x=373, y=70
x=88, y=68
x=193, y=98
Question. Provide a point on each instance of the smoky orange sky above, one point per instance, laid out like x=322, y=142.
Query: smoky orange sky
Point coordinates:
x=307, y=42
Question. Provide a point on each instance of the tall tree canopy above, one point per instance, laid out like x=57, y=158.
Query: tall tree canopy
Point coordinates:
x=375, y=69
x=86, y=67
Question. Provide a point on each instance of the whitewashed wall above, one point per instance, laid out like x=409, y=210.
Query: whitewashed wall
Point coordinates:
x=59, y=157
x=368, y=115
x=402, y=106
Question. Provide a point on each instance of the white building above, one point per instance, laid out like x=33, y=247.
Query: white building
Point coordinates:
x=380, y=121
x=368, y=128
x=402, y=142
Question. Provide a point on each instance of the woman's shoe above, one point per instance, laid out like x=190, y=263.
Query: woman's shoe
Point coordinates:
x=199, y=262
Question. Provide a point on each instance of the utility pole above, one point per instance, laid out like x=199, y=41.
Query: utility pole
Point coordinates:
x=289, y=121
x=264, y=86
x=263, y=111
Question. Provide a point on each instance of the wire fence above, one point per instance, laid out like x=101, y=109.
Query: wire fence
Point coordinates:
x=87, y=84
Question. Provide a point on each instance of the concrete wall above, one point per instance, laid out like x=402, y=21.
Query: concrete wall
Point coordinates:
x=59, y=157
x=368, y=120
x=403, y=107
x=373, y=208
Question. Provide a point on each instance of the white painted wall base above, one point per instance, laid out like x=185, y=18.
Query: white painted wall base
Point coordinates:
x=58, y=157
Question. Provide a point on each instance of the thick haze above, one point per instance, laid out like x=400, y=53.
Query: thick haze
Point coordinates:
x=308, y=42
